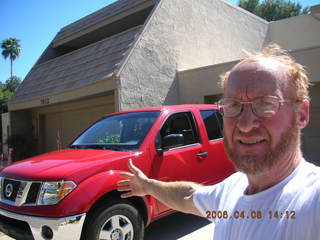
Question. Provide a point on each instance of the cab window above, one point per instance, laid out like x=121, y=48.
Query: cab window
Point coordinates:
x=181, y=123
x=213, y=122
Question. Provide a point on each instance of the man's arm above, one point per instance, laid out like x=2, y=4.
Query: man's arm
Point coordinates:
x=176, y=195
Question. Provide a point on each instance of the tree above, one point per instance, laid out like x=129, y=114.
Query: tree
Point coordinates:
x=12, y=83
x=6, y=92
x=249, y=5
x=5, y=95
x=272, y=10
x=11, y=49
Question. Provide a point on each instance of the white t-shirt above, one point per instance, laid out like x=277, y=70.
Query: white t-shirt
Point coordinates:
x=289, y=210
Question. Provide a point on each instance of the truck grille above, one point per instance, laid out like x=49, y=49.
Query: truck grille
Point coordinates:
x=33, y=193
x=18, y=193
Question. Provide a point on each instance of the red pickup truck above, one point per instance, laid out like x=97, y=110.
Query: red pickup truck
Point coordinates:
x=71, y=193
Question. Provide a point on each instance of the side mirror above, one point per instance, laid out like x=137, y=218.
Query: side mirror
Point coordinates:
x=169, y=141
x=172, y=141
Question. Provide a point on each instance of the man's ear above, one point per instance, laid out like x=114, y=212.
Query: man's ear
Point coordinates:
x=303, y=114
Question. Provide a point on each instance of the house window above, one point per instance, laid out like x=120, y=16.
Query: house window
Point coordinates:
x=212, y=99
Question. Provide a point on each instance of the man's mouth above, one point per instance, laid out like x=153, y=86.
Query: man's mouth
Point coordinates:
x=251, y=142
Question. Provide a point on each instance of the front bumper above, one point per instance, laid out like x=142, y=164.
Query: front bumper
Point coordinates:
x=29, y=227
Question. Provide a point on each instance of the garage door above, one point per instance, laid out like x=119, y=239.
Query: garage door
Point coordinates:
x=311, y=135
x=59, y=125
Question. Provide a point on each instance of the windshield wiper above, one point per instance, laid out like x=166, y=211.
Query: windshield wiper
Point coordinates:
x=96, y=146
x=112, y=147
x=74, y=146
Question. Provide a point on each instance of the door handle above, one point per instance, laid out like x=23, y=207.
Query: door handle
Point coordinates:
x=202, y=154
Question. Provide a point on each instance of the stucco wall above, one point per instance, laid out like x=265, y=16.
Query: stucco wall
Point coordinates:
x=206, y=81
x=5, y=117
x=181, y=35
x=213, y=31
x=311, y=134
x=295, y=33
x=310, y=58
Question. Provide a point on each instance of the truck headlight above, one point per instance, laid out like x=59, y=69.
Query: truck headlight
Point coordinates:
x=53, y=192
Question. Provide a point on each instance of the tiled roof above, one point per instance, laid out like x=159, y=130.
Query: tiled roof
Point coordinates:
x=98, y=16
x=79, y=68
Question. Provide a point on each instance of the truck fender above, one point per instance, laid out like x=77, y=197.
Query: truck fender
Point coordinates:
x=92, y=189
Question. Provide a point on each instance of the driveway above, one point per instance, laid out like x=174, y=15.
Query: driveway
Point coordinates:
x=180, y=226
x=176, y=226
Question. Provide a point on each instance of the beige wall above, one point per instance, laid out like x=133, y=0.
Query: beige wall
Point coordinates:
x=310, y=58
x=296, y=32
x=207, y=32
x=5, y=117
x=68, y=120
x=196, y=83
x=311, y=134
x=181, y=35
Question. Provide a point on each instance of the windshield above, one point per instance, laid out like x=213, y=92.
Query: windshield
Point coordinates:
x=122, y=132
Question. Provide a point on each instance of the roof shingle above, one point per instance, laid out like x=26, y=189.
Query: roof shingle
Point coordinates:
x=98, y=16
x=79, y=68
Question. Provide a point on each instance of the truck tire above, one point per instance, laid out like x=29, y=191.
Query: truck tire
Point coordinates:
x=117, y=220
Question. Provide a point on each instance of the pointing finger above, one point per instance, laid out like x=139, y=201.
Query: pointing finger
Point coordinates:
x=132, y=167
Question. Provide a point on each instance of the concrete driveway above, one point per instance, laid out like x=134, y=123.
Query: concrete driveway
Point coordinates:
x=180, y=226
x=176, y=226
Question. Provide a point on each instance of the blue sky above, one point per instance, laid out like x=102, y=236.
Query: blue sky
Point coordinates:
x=36, y=22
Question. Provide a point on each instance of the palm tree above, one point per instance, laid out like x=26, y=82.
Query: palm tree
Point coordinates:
x=11, y=48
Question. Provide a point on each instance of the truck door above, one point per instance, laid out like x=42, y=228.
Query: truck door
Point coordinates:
x=183, y=163
x=220, y=165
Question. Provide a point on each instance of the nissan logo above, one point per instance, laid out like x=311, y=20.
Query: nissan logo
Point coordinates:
x=9, y=190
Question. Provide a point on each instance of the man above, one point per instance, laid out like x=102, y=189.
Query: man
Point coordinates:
x=275, y=193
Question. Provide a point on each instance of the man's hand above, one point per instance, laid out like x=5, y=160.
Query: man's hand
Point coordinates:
x=136, y=182
x=176, y=195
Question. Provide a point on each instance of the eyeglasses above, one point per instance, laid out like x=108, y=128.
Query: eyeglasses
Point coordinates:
x=263, y=107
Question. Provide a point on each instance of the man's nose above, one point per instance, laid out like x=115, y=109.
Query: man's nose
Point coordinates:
x=247, y=120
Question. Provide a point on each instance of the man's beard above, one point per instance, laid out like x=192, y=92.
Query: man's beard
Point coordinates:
x=289, y=141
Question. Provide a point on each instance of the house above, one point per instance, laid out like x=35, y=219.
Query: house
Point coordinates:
x=138, y=53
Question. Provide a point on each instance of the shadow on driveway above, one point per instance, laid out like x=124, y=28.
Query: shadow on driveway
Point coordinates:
x=175, y=226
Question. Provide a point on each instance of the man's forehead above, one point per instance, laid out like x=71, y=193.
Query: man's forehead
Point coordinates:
x=261, y=76
x=260, y=64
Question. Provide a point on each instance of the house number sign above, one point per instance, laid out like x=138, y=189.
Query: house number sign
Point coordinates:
x=44, y=101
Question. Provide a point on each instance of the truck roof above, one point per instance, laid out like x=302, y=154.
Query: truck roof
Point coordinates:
x=170, y=108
